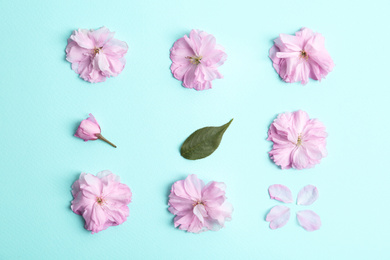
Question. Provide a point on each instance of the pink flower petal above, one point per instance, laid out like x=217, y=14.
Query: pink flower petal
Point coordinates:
x=101, y=36
x=200, y=212
x=291, y=42
x=281, y=193
x=179, y=190
x=193, y=187
x=300, y=158
x=309, y=220
x=278, y=216
x=81, y=37
x=307, y=195
x=213, y=194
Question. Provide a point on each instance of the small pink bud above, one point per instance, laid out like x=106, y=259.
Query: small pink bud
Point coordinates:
x=89, y=129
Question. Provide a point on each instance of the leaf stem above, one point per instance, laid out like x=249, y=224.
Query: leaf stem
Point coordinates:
x=99, y=136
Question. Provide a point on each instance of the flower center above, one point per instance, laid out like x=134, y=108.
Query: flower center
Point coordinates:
x=97, y=50
x=299, y=141
x=194, y=59
x=304, y=55
x=99, y=200
x=197, y=203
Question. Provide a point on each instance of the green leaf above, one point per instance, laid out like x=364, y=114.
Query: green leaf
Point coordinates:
x=203, y=142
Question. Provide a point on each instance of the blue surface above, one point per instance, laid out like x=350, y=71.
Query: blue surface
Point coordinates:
x=147, y=113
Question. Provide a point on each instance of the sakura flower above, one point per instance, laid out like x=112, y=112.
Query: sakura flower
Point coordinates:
x=89, y=129
x=199, y=207
x=96, y=54
x=279, y=215
x=300, y=57
x=195, y=60
x=299, y=142
x=102, y=200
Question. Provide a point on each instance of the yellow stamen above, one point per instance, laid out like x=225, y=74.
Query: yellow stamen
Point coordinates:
x=195, y=59
x=304, y=55
x=99, y=200
x=299, y=142
x=197, y=203
x=97, y=50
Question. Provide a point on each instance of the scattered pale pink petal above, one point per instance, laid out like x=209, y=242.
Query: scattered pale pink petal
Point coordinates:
x=195, y=60
x=199, y=207
x=309, y=220
x=281, y=193
x=95, y=54
x=102, y=200
x=278, y=216
x=300, y=57
x=299, y=142
x=307, y=195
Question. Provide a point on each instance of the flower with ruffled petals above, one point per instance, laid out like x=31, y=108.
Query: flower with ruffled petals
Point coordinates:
x=299, y=142
x=102, y=200
x=199, y=207
x=195, y=60
x=279, y=215
x=300, y=57
x=89, y=129
x=96, y=54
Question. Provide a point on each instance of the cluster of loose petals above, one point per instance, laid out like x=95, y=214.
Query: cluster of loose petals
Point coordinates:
x=299, y=142
x=300, y=57
x=102, y=200
x=280, y=214
x=199, y=207
x=195, y=60
x=96, y=54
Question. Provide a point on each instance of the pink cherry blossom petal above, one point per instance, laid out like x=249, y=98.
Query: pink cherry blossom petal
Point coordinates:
x=101, y=36
x=300, y=158
x=278, y=216
x=179, y=190
x=281, y=193
x=200, y=212
x=193, y=186
x=307, y=195
x=309, y=220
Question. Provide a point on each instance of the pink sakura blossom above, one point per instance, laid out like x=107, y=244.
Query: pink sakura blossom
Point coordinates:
x=102, y=200
x=95, y=54
x=299, y=142
x=89, y=129
x=300, y=57
x=279, y=215
x=195, y=60
x=199, y=207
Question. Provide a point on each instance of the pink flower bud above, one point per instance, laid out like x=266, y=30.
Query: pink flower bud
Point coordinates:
x=89, y=129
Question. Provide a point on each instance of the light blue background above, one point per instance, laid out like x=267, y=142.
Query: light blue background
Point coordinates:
x=147, y=113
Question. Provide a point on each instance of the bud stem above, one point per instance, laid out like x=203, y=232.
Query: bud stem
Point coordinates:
x=99, y=136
